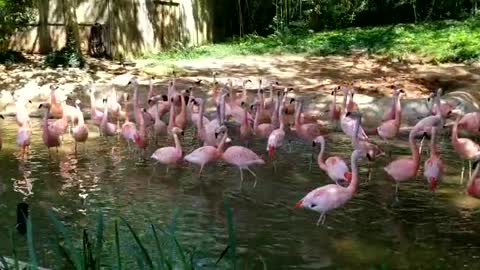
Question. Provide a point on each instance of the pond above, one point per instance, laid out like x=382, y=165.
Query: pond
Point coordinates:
x=420, y=231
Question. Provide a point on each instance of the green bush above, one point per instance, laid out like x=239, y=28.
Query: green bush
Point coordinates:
x=15, y=15
x=66, y=57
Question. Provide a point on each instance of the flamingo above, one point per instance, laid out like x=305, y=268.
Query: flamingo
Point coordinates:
x=264, y=116
x=347, y=123
x=372, y=149
x=206, y=154
x=389, y=129
x=390, y=113
x=276, y=137
x=96, y=115
x=470, y=122
x=405, y=168
x=334, y=166
x=332, y=196
x=333, y=110
x=473, y=186
x=129, y=130
x=239, y=156
x=55, y=107
x=433, y=168
x=246, y=130
x=439, y=106
x=465, y=148
x=50, y=139
x=21, y=112
x=112, y=102
x=140, y=138
x=195, y=116
x=170, y=155
x=352, y=106
x=213, y=125
x=159, y=127
x=262, y=130
x=200, y=122
x=181, y=118
x=23, y=137
x=107, y=128
x=80, y=131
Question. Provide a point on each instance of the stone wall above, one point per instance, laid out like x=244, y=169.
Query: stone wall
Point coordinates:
x=134, y=27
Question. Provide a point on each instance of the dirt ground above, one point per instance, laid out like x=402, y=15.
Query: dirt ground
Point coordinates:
x=369, y=75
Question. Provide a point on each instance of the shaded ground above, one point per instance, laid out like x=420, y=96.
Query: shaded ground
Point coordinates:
x=313, y=76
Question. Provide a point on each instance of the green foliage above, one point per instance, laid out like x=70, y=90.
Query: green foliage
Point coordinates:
x=66, y=57
x=444, y=41
x=14, y=16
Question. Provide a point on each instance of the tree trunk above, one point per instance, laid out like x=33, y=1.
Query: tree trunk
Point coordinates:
x=43, y=31
x=71, y=24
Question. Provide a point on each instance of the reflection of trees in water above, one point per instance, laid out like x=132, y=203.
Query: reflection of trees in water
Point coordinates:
x=24, y=184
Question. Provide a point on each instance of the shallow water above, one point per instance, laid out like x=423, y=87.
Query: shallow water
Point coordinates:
x=421, y=231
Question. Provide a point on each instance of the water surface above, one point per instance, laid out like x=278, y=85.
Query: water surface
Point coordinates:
x=421, y=231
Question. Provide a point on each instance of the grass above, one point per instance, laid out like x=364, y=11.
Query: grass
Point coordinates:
x=155, y=248
x=443, y=41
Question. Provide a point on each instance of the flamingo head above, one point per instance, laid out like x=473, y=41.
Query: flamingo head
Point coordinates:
x=133, y=82
x=45, y=105
x=299, y=204
x=1, y=116
x=177, y=131
x=318, y=140
x=220, y=131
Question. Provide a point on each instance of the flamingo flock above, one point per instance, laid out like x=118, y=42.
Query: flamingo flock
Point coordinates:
x=271, y=116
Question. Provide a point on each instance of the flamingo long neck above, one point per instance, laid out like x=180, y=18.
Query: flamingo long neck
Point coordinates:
x=433, y=145
x=414, y=148
x=127, y=117
x=356, y=130
x=200, y=114
x=135, y=95
x=352, y=187
x=344, y=102
x=183, y=107
x=244, y=91
x=455, y=130
x=53, y=98
x=178, y=146
x=245, y=117
x=398, y=110
x=222, y=109
x=281, y=116
x=257, y=118
x=150, y=89
x=157, y=115
x=298, y=111
x=92, y=101
x=81, y=120
x=276, y=112
x=105, y=115
x=321, y=160
x=221, y=145
x=45, y=119
x=171, y=118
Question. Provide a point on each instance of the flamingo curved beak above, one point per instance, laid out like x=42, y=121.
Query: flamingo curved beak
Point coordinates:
x=299, y=204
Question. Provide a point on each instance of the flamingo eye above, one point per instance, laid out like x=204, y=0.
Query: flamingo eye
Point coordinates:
x=312, y=205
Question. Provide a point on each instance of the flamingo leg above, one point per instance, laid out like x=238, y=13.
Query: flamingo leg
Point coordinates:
x=396, y=191
x=321, y=219
x=241, y=178
x=201, y=169
x=421, y=145
x=470, y=169
x=463, y=172
x=254, y=175
x=289, y=146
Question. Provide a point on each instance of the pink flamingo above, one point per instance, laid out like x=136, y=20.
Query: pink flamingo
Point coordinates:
x=96, y=115
x=372, y=149
x=352, y=106
x=181, y=117
x=405, y=168
x=213, y=125
x=140, y=138
x=21, y=112
x=50, y=139
x=334, y=166
x=236, y=111
x=276, y=137
x=347, y=123
x=433, y=168
x=107, y=128
x=390, y=113
x=170, y=155
x=241, y=157
x=331, y=196
x=262, y=130
x=207, y=154
x=23, y=137
x=56, y=109
x=470, y=122
x=389, y=129
x=333, y=110
x=129, y=130
x=80, y=131
x=465, y=148
x=473, y=186
x=439, y=106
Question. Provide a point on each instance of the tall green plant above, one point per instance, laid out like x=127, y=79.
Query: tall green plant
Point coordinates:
x=15, y=15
